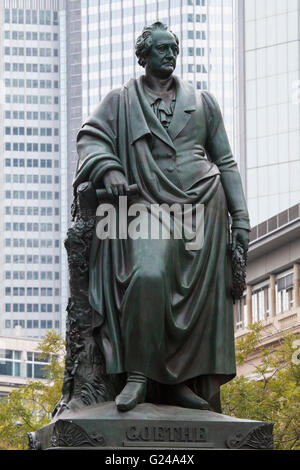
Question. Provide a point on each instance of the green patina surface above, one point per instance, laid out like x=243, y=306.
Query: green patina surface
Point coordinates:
x=163, y=310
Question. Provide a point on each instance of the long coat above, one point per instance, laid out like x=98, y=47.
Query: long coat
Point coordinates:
x=161, y=309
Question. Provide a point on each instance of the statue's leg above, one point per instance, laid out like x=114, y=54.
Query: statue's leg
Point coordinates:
x=141, y=324
x=144, y=309
x=142, y=317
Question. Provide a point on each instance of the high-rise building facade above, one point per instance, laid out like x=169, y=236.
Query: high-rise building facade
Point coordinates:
x=269, y=112
x=101, y=51
x=30, y=177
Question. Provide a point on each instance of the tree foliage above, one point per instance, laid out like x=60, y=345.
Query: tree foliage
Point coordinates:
x=272, y=393
x=29, y=406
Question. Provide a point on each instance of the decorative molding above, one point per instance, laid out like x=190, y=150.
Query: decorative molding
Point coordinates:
x=68, y=434
x=260, y=437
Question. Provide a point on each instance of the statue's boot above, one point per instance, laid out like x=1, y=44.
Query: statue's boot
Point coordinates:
x=182, y=395
x=133, y=393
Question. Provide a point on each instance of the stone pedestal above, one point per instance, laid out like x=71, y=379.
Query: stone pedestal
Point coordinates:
x=150, y=426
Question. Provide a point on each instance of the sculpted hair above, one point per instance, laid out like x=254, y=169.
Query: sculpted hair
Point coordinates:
x=144, y=41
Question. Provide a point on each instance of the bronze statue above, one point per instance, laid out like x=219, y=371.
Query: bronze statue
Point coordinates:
x=163, y=314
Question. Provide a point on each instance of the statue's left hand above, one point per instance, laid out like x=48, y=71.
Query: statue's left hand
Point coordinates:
x=240, y=236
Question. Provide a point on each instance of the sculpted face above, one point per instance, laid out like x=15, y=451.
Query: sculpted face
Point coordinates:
x=161, y=61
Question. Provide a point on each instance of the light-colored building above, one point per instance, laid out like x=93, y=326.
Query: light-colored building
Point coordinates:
x=267, y=132
x=273, y=288
x=19, y=362
x=30, y=179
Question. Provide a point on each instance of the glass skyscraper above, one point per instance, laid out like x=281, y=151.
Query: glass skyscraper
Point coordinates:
x=30, y=177
x=269, y=85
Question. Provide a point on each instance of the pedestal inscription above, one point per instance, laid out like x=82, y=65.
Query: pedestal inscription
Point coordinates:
x=151, y=426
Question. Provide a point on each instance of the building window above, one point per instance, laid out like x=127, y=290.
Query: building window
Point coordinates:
x=260, y=303
x=200, y=51
x=201, y=85
x=34, y=17
x=239, y=313
x=35, y=366
x=28, y=16
x=10, y=362
x=267, y=302
x=284, y=293
x=6, y=15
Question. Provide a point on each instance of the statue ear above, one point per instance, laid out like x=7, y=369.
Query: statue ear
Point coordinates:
x=142, y=62
x=143, y=59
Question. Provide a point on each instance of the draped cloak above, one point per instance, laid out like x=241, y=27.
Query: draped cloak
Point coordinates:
x=161, y=309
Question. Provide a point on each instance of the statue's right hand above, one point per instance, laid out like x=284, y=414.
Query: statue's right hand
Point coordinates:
x=115, y=183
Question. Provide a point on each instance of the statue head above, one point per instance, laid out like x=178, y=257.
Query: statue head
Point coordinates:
x=157, y=49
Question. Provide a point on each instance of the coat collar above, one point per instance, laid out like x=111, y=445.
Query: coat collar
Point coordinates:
x=185, y=103
x=144, y=121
